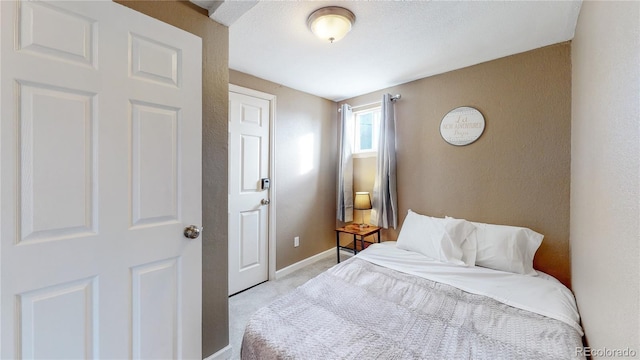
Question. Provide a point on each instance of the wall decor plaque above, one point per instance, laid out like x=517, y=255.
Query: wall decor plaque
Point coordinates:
x=462, y=126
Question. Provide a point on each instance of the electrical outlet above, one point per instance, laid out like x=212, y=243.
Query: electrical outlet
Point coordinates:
x=296, y=241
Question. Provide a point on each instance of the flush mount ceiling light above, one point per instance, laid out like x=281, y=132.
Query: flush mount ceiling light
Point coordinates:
x=331, y=23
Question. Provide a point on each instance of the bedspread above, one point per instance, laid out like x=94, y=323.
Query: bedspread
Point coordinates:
x=359, y=310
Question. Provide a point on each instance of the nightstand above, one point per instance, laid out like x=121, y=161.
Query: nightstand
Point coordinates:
x=356, y=231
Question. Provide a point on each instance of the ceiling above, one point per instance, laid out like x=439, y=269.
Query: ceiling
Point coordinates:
x=391, y=42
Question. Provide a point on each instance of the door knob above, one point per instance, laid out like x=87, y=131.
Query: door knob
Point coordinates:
x=265, y=201
x=192, y=232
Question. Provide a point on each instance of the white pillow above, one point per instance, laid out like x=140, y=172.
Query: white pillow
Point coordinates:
x=469, y=247
x=437, y=238
x=506, y=248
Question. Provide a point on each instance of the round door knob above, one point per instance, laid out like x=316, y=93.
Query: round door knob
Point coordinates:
x=265, y=201
x=192, y=232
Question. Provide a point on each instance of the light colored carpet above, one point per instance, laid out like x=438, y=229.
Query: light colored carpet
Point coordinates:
x=244, y=304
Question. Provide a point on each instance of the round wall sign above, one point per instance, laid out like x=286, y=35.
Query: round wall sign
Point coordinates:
x=462, y=126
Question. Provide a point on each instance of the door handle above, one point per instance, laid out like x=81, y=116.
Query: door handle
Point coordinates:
x=265, y=201
x=192, y=232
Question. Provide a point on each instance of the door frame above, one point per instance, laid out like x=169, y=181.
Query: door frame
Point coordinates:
x=271, y=235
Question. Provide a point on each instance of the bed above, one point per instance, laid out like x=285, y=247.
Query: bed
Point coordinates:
x=392, y=303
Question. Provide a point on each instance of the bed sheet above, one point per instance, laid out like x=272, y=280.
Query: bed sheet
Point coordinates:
x=541, y=294
x=360, y=310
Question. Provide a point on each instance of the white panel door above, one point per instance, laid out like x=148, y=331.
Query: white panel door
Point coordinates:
x=248, y=202
x=100, y=153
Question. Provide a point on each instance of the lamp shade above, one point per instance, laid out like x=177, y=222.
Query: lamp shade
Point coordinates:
x=362, y=201
x=331, y=23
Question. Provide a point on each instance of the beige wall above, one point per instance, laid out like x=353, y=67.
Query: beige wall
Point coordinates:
x=305, y=179
x=605, y=176
x=364, y=172
x=215, y=50
x=517, y=173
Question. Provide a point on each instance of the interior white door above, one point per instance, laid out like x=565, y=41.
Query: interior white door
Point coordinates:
x=249, y=119
x=100, y=173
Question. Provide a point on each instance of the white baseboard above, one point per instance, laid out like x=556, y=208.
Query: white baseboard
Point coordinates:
x=222, y=354
x=308, y=261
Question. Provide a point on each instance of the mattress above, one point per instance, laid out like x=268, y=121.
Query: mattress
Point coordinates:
x=382, y=304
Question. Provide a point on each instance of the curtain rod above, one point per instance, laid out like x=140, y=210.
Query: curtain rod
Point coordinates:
x=394, y=98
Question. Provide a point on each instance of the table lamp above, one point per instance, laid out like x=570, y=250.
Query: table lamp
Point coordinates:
x=362, y=201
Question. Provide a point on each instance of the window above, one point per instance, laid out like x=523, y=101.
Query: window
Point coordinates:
x=366, y=131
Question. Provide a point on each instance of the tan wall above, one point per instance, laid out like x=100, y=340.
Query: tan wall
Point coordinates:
x=305, y=190
x=517, y=173
x=605, y=177
x=215, y=50
x=364, y=172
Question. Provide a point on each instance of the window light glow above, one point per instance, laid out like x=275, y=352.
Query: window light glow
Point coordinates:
x=305, y=153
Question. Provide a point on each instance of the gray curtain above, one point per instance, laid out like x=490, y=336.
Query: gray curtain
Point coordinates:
x=345, y=165
x=385, y=195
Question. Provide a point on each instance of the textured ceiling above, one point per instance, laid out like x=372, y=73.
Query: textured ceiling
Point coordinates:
x=392, y=42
